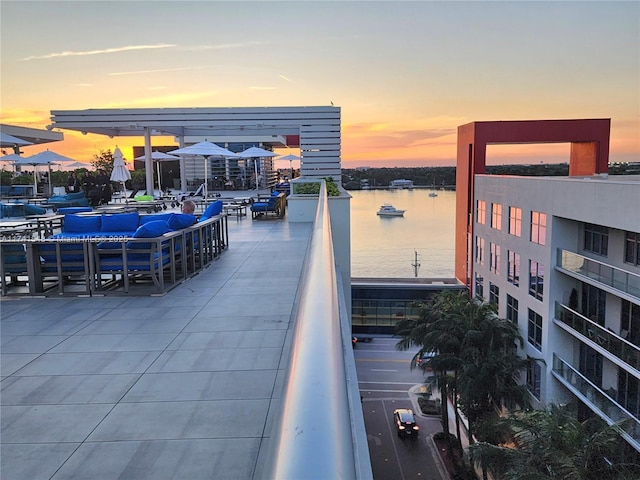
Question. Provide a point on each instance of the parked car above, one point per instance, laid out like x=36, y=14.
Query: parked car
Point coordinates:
x=405, y=422
x=422, y=359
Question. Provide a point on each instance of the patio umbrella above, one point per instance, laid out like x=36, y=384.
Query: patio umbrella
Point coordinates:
x=290, y=159
x=46, y=157
x=11, y=158
x=120, y=172
x=159, y=157
x=207, y=150
x=256, y=152
x=7, y=140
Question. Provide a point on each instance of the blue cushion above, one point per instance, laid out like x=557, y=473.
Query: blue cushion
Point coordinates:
x=178, y=221
x=152, y=218
x=120, y=222
x=81, y=224
x=212, y=210
x=152, y=229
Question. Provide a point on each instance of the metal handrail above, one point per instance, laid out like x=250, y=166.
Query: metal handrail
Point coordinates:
x=312, y=438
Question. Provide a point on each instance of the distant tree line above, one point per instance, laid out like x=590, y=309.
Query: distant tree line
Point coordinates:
x=446, y=176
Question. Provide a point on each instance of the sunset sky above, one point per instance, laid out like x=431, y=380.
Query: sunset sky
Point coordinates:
x=405, y=74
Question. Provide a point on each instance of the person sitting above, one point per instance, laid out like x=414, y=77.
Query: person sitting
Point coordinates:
x=188, y=206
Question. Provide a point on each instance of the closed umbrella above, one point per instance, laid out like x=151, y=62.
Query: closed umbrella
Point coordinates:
x=120, y=172
x=207, y=150
x=159, y=157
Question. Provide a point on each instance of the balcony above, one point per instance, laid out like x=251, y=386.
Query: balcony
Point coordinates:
x=601, y=274
x=627, y=354
x=598, y=401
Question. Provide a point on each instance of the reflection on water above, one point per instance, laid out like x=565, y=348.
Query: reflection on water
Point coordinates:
x=384, y=246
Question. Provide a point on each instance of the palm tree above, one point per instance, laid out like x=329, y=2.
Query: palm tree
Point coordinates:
x=554, y=444
x=490, y=378
x=437, y=329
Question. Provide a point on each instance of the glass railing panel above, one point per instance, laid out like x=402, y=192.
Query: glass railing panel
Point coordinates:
x=599, y=401
x=624, y=350
x=619, y=279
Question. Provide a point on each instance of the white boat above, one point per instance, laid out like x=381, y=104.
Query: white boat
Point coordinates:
x=387, y=210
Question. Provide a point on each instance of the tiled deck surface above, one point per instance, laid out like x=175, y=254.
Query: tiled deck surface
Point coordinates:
x=174, y=387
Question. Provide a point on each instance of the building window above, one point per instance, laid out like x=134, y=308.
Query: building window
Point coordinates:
x=481, y=212
x=538, y=227
x=596, y=239
x=513, y=266
x=479, y=285
x=479, y=250
x=494, y=258
x=496, y=216
x=515, y=221
x=494, y=294
x=630, y=322
x=534, y=378
x=512, y=309
x=632, y=248
x=594, y=303
x=536, y=279
x=534, y=334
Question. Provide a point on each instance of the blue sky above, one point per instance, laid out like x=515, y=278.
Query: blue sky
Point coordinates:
x=405, y=74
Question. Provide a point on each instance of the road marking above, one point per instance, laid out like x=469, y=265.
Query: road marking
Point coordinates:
x=382, y=370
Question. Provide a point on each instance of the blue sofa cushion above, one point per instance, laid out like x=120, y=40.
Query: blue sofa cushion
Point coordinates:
x=178, y=221
x=152, y=218
x=80, y=224
x=120, y=222
x=215, y=208
x=149, y=230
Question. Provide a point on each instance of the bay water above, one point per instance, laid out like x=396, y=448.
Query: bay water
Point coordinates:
x=385, y=247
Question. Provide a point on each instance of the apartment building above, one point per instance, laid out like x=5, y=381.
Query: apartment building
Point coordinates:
x=560, y=257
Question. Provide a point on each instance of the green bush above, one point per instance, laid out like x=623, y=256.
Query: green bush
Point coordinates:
x=313, y=188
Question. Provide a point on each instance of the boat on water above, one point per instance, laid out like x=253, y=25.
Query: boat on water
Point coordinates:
x=387, y=210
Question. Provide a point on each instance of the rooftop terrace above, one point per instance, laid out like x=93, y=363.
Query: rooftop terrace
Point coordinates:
x=184, y=385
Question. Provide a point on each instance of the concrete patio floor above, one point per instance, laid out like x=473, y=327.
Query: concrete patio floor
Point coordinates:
x=181, y=386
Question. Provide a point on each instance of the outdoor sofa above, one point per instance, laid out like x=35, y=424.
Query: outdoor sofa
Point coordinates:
x=121, y=253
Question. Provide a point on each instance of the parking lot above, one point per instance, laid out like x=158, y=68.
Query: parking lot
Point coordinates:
x=385, y=380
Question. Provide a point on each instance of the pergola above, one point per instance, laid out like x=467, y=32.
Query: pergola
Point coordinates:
x=316, y=130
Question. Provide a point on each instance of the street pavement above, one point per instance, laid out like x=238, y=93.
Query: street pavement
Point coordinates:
x=387, y=382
